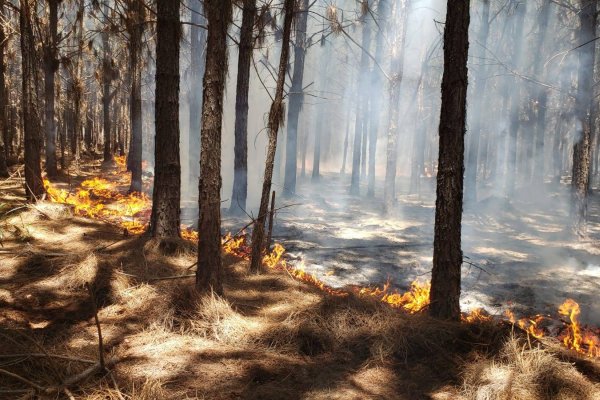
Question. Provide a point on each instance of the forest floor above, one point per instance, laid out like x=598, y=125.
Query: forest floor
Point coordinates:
x=521, y=253
x=269, y=337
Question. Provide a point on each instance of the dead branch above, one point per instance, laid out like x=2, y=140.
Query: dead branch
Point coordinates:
x=43, y=355
x=95, y=309
x=24, y=380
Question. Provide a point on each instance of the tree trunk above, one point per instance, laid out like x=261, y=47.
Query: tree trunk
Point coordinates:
x=296, y=100
x=136, y=30
x=107, y=76
x=210, y=269
x=361, y=109
x=276, y=117
x=50, y=67
x=165, y=218
x=322, y=110
x=240, y=173
x=3, y=100
x=447, y=253
x=34, y=186
x=477, y=109
x=397, y=67
x=197, y=67
x=376, y=93
x=537, y=176
x=584, y=107
x=515, y=121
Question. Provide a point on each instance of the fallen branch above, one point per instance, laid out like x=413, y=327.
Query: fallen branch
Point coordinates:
x=95, y=309
x=24, y=380
x=168, y=278
x=42, y=355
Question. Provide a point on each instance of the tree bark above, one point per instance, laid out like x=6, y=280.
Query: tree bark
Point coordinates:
x=240, y=168
x=209, y=275
x=397, y=67
x=51, y=64
x=165, y=218
x=3, y=100
x=135, y=26
x=34, y=186
x=296, y=101
x=276, y=116
x=197, y=67
x=585, y=110
x=107, y=76
x=447, y=253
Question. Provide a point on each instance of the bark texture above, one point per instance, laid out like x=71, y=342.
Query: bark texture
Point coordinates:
x=296, y=101
x=3, y=100
x=240, y=167
x=209, y=275
x=50, y=67
x=197, y=53
x=135, y=28
x=276, y=115
x=165, y=219
x=584, y=106
x=34, y=186
x=447, y=253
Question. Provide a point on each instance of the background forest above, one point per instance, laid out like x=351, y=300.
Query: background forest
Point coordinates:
x=299, y=199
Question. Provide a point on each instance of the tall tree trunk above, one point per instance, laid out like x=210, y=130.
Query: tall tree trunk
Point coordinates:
x=322, y=110
x=361, y=109
x=50, y=67
x=447, y=253
x=397, y=67
x=537, y=176
x=165, y=218
x=276, y=117
x=477, y=109
x=383, y=9
x=107, y=77
x=34, y=186
x=209, y=274
x=3, y=100
x=515, y=107
x=136, y=31
x=197, y=67
x=240, y=168
x=296, y=101
x=585, y=109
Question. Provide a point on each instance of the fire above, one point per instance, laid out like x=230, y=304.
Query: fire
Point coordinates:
x=575, y=337
x=413, y=301
x=476, y=316
x=101, y=199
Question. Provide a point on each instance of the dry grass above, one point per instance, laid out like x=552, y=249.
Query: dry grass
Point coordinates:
x=521, y=373
x=269, y=337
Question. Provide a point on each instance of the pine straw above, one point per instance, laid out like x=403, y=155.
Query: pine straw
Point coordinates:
x=268, y=337
x=523, y=373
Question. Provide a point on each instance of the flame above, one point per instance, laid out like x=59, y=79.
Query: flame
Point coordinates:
x=477, y=315
x=413, y=301
x=100, y=198
x=581, y=340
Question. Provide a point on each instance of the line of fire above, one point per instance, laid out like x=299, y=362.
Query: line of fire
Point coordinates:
x=300, y=199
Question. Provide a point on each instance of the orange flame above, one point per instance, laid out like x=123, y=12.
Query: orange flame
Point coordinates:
x=577, y=338
x=413, y=301
x=477, y=315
